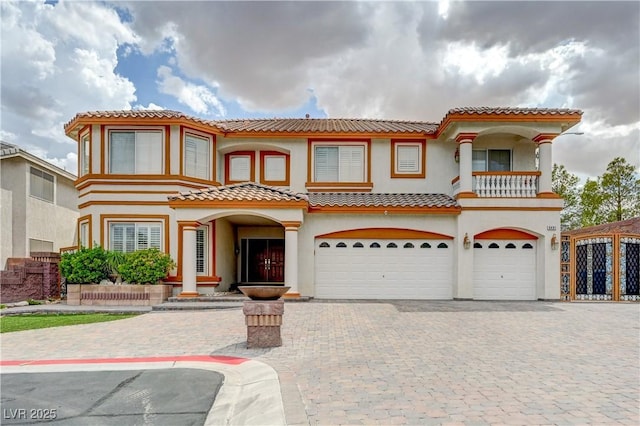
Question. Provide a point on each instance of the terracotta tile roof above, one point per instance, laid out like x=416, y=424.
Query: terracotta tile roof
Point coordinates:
x=327, y=125
x=629, y=226
x=273, y=125
x=248, y=191
x=513, y=111
x=367, y=199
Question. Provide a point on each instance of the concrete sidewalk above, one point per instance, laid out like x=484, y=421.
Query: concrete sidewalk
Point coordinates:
x=402, y=362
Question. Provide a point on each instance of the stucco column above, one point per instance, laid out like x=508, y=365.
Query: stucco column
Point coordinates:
x=291, y=258
x=465, y=147
x=189, y=285
x=545, y=163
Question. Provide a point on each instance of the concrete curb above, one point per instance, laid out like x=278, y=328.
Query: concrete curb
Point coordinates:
x=250, y=393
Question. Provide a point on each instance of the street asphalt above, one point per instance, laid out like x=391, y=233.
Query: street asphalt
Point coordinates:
x=365, y=362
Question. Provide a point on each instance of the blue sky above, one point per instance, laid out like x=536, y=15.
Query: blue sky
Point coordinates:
x=394, y=60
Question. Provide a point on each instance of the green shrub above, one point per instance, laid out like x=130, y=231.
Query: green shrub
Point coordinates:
x=34, y=302
x=114, y=261
x=84, y=266
x=146, y=266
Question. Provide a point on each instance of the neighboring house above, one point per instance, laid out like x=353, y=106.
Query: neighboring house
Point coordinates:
x=602, y=262
x=38, y=205
x=333, y=208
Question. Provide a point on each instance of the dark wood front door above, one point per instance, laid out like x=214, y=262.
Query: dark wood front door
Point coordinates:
x=263, y=261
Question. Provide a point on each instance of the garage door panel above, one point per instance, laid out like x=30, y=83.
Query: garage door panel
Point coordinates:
x=384, y=272
x=504, y=273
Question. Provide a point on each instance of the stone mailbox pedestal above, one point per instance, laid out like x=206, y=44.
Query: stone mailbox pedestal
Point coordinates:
x=263, y=319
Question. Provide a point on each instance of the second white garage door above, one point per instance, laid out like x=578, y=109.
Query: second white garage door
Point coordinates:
x=383, y=269
x=504, y=270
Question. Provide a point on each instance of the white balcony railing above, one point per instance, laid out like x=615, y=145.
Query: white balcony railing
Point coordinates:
x=506, y=184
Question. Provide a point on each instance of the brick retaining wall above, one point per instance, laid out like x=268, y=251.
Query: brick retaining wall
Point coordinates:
x=36, y=278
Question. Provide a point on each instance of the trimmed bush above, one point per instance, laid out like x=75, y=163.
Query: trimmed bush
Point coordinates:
x=84, y=266
x=146, y=266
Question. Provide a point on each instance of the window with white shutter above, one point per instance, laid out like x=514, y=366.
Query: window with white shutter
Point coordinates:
x=136, y=152
x=85, y=150
x=201, y=250
x=84, y=234
x=197, y=156
x=129, y=237
x=408, y=158
x=343, y=163
x=240, y=168
x=275, y=168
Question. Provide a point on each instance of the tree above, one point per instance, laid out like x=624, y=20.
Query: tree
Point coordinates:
x=565, y=185
x=591, y=204
x=620, y=188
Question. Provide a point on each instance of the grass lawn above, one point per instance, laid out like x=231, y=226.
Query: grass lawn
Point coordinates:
x=30, y=322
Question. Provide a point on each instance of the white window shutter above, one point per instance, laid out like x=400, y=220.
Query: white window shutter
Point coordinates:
x=155, y=236
x=201, y=250
x=408, y=159
x=197, y=157
x=240, y=168
x=122, y=152
x=149, y=153
x=326, y=164
x=275, y=168
x=351, y=164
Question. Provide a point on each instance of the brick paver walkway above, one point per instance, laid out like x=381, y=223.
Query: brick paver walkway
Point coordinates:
x=404, y=362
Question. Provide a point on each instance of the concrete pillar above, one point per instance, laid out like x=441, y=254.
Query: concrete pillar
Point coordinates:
x=189, y=285
x=291, y=258
x=465, y=147
x=545, y=163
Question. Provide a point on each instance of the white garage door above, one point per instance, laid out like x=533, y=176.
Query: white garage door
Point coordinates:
x=383, y=269
x=504, y=270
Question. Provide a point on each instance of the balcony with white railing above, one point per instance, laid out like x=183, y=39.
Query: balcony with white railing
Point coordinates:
x=502, y=184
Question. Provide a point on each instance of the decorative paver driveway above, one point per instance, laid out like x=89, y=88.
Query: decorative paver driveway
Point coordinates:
x=404, y=362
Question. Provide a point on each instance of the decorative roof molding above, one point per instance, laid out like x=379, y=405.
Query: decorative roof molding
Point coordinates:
x=325, y=126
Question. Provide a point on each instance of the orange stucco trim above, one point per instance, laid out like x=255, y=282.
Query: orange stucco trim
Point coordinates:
x=105, y=218
x=103, y=160
x=545, y=138
x=175, y=180
x=466, y=194
x=386, y=233
x=422, y=143
x=167, y=150
x=252, y=165
x=505, y=234
x=287, y=159
x=466, y=137
x=291, y=224
x=383, y=210
x=120, y=202
x=239, y=204
x=524, y=209
x=571, y=119
x=548, y=195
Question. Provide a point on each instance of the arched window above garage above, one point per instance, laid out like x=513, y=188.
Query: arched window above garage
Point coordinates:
x=341, y=245
x=443, y=245
x=392, y=245
x=374, y=245
x=494, y=245
x=324, y=245
x=477, y=245
x=425, y=245
x=527, y=246
x=358, y=245
x=408, y=245
x=510, y=246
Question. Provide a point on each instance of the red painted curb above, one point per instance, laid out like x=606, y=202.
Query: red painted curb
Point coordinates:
x=197, y=358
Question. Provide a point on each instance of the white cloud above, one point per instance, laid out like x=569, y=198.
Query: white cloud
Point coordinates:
x=150, y=107
x=198, y=98
x=58, y=60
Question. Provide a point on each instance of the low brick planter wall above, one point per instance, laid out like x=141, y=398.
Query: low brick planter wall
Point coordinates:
x=117, y=295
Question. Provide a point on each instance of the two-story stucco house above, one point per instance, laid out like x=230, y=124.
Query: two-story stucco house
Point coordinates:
x=38, y=205
x=333, y=208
